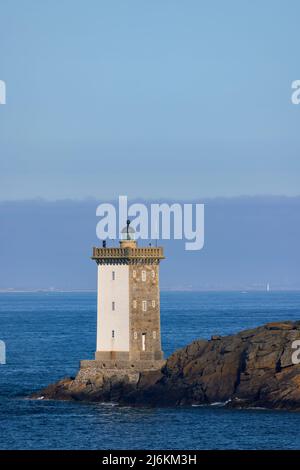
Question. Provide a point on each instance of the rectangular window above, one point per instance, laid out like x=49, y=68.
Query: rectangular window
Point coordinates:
x=144, y=305
x=153, y=274
x=134, y=273
x=113, y=333
x=113, y=306
x=113, y=275
x=144, y=342
x=153, y=303
x=134, y=304
x=144, y=276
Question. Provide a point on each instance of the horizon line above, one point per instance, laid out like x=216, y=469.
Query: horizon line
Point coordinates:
x=38, y=199
x=163, y=289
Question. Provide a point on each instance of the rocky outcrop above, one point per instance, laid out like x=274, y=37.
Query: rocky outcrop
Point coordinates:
x=250, y=369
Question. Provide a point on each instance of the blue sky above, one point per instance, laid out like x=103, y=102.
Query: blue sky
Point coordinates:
x=148, y=98
x=248, y=242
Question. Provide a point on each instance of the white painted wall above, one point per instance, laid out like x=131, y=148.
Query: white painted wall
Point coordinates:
x=109, y=291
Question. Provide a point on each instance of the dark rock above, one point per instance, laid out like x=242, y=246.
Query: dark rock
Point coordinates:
x=251, y=368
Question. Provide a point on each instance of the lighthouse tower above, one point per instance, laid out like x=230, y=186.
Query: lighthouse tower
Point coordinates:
x=128, y=305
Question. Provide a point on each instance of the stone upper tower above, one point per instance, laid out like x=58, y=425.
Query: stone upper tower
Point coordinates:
x=128, y=310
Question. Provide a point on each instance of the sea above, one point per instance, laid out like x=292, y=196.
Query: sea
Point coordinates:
x=47, y=333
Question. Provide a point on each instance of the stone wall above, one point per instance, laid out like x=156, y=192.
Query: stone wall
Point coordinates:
x=140, y=321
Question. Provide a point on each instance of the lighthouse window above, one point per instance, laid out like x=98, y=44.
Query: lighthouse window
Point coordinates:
x=134, y=304
x=134, y=273
x=144, y=305
x=153, y=303
x=135, y=335
x=113, y=305
x=144, y=276
x=113, y=275
x=113, y=333
x=154, y=334
x=153, y=274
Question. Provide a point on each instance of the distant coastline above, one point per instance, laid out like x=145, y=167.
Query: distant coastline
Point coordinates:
x=164, y=289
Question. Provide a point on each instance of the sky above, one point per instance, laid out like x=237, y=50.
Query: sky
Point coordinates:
x=156, y=100
x=152, y=99
x=249, y=242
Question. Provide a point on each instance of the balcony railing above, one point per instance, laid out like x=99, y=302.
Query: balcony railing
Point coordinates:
x=147, y=252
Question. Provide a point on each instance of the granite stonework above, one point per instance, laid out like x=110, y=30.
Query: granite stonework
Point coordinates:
x=144, y=322
x=140, y=365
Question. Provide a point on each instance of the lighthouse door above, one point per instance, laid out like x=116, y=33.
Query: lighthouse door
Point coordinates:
x=144, y=342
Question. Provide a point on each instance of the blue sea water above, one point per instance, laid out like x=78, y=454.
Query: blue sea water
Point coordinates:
x=47, y=333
